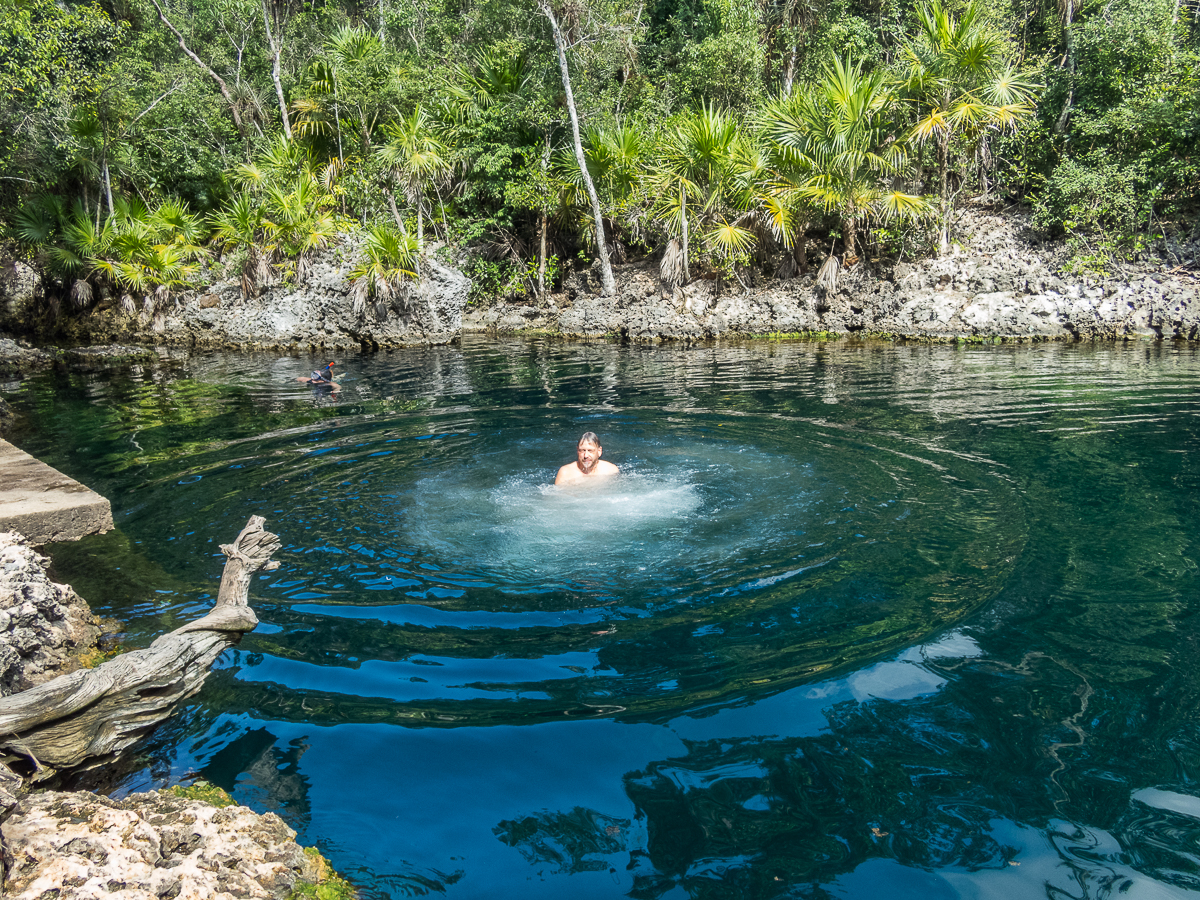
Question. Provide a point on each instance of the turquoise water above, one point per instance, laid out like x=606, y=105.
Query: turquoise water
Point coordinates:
x=854, y=621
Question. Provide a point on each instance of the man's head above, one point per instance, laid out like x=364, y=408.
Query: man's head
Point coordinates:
x=588, y=452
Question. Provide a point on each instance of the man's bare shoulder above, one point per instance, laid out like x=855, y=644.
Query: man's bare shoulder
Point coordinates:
x=568, y=473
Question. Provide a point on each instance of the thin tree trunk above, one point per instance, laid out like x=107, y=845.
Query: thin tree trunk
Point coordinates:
x=943, y=161
x=799, y=252
x=541, y=270
x=1069, y=64
x=391, y=199
x=789, y=72
x=276, y=53
x=107, y=184
x=221, y=85
x=543, y=223
x=337, y=118
x=608, y=284
x=420, y=240
x=687, y=275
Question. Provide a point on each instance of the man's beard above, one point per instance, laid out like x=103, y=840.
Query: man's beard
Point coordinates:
x=586, y=469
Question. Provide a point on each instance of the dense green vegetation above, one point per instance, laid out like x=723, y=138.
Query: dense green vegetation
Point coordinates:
x=149, y=144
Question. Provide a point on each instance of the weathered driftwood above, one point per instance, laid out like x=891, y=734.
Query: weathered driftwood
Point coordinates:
x=88, y=717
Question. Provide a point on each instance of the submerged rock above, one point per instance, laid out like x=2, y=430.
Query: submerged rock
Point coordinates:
x=17, y=359
x=78, y=846
x=44, y=626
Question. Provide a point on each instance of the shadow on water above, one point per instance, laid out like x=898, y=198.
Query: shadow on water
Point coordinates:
x=903, y=620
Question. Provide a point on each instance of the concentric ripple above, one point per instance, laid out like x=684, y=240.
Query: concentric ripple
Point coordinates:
x=431, y=568
x=728, y=671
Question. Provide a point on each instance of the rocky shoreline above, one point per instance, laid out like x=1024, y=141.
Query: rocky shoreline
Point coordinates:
x=187, y=842
x=1001, y=282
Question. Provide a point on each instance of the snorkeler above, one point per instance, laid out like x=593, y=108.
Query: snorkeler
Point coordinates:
x=588, y=463
x=321, y=377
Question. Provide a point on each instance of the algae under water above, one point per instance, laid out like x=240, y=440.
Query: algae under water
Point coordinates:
x=854, y=620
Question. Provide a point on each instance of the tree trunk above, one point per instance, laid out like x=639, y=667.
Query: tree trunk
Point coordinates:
x=543, y=225
x=687, y=275
x=420, y=239
x=276, y=54
x=789, y=72
x=221, y=85
x=107, y=183
x=87, y=718
x=608, y=285
x=391, y=199
x=1069, y=64
x=943, y=161
x=800, y=252
x=541, y=270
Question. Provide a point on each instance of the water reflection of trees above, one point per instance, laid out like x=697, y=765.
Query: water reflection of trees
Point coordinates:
x=922, y=782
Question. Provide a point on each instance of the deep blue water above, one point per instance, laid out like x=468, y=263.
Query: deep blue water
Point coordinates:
x=854, y=621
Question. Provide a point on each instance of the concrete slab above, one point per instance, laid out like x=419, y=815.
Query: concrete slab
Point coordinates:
x=44, y=504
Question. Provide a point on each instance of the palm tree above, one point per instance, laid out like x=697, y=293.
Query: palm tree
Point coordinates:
x=349, y=78
x=419, y=160
x=963, y=83
x=390, y=258
x=239, y=226
x=837, y=146
x=283, y=212
x=492, y=78
x=690, y=178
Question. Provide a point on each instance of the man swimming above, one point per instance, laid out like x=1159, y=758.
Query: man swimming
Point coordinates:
x=321, y=377
x=588, y=463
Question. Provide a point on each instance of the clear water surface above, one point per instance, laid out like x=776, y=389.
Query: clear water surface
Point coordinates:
x=901, y=621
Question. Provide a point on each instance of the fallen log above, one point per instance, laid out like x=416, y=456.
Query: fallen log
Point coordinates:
x=87, y=718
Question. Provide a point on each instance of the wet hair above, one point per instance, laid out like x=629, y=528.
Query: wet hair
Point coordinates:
x=589, y=437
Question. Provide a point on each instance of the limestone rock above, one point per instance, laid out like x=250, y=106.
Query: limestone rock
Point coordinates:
x=1001, y=283
x=80, y=846
x=16, y=359
x=20, y=291
x=317, y=312
x=44, y=624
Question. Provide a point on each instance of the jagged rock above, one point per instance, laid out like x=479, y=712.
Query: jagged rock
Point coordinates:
x=16, y=359
x=20, y=291
x=43, y=625
x=320, y=312
x=80, y=846
x=1001, y=283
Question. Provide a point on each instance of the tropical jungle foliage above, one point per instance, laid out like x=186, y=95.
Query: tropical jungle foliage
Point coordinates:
x=146, y=145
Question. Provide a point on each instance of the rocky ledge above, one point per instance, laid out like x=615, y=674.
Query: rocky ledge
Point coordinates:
x=190, y=843
x=1002, y=282
x=155, y=846
x=44, y=627
x=319, y=313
